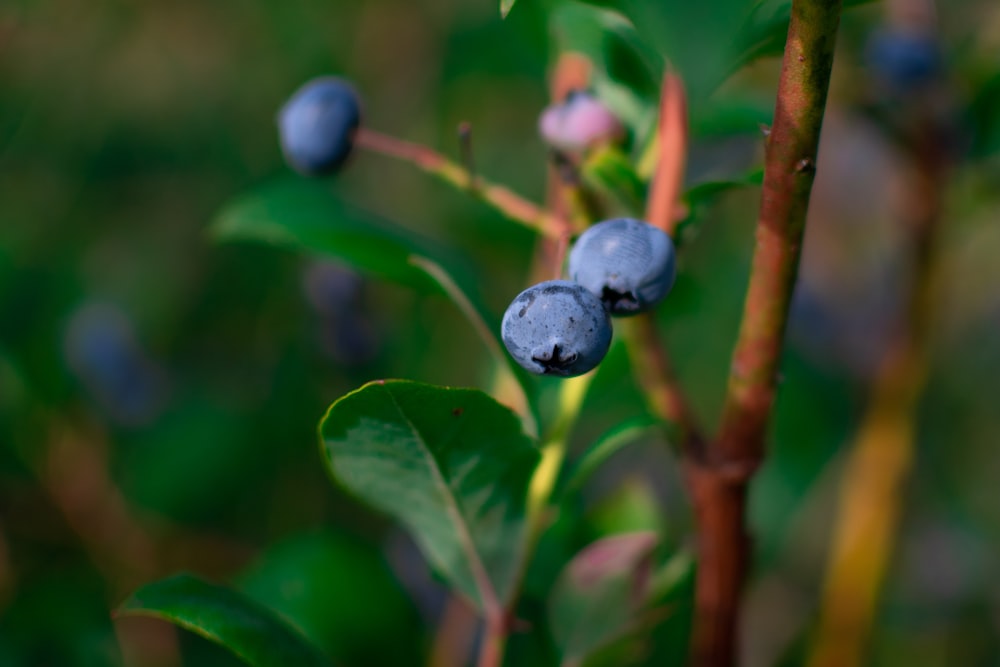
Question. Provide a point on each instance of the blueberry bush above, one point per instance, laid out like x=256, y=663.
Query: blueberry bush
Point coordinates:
x=554, y=333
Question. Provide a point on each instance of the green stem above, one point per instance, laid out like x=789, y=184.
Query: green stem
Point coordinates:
x=572, y=393
x=655, y=374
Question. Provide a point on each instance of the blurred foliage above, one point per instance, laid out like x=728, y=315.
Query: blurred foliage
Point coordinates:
x=181, y=380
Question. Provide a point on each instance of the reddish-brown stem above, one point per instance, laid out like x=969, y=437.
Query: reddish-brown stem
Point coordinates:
x=672, y=131
x=571, y=72
x=788, y=176
x=723, y=548
x=453, y=640
x=506, y=201
x=649, y=357
x=655, y=374
x=494, y=639
x=719, y=483
x=561, y=247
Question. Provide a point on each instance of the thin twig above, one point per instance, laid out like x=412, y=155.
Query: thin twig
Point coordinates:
x=719, y=484
x=512, y=205
x=465, y=149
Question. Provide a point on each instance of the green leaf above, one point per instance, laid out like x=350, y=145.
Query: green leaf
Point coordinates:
x=679, y=31
x=633, y=506
x=606, y=446
x=247, y=629
x=706, y=192
x=475, y=316
x=598, y=596
x=505, y=7
x=612, y=173
x=341, y=593
x=703, y=195
x=672, y=592
x=764, y=32
x=708, y=41
x=672, y=576
x=627, y=70
x=451, y=464
x=304, y=215
x=984, y=116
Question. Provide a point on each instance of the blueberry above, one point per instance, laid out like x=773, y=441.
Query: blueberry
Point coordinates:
x=628, y=264
x=317, y=125
x=101, y=349
x=903, y=59
x=332, y=288
x=580, y=122
x=556, y=328
x=337, y=294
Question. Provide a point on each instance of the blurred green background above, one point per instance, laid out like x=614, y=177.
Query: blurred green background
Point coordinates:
x=159, y=393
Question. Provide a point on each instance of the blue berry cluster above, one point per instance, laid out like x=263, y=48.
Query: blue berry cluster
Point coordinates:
x=563, y=327
x=617, y=267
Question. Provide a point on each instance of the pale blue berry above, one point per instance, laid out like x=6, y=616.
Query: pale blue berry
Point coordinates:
x=628, y=264
x=317, y=125
x=556, y=328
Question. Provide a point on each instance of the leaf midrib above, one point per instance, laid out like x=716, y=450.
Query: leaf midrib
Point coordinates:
x=488, y=596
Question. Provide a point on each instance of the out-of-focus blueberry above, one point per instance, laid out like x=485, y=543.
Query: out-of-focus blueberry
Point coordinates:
x=102, y=351
x=317, y=125
x=332, y=288
x=579, y=122
x=346, y=332
x=556, y=328
x=629, y=264
x=904, y=59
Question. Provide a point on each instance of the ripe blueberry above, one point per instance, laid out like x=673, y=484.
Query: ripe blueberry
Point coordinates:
x=317, y=125
x=628, y=264
x=579, y=122
x=556, y=328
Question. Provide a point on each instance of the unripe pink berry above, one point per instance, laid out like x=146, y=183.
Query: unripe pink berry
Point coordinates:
x=579, y=123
